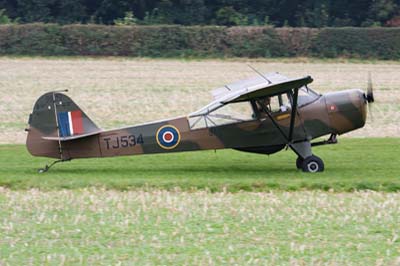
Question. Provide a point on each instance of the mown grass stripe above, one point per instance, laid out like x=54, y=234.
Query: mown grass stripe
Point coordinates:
x=353, y=164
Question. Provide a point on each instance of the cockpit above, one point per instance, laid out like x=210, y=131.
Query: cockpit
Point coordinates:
x=252, y=99
x=251, y=110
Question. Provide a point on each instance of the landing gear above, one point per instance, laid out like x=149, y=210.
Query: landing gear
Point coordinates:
x=306, y=161
x=47, y=167
x=312, y=164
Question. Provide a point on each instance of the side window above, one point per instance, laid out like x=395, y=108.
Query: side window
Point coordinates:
x=284, y=102
x=275, y=104
x=234, y=112
x=228, y=114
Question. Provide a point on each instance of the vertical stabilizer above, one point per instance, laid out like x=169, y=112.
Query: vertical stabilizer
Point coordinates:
x=56, y=116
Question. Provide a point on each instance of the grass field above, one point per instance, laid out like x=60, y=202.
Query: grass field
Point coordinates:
x=100, y=227
x=353, y=164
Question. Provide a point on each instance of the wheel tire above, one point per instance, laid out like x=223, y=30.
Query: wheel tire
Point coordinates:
x=312, y=164
x=299, y=163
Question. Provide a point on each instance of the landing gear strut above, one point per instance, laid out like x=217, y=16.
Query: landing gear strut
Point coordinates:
x=47, y=167
x=306, y=161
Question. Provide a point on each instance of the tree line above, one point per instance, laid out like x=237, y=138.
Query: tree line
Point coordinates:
x=277, y=13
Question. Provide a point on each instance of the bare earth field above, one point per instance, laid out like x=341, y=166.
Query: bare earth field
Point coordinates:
x=115, y=91
x=100, y=227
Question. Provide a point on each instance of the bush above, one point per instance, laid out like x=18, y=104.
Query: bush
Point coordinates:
x=31, y=39
x=382, y=43
x=297, y=41
x=208, y=41
x=253, y=42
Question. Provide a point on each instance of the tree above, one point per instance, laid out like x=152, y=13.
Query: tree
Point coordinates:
x=380, y=12
x=4, y=19
x=228, y=16
x=69, y=11
x=35, y=10
x=190, y=12
x=309, y=13
x=129, y=19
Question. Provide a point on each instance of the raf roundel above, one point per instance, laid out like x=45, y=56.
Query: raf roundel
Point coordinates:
x=168, y=137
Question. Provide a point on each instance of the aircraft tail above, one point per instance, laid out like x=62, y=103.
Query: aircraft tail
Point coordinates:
x=56, y=118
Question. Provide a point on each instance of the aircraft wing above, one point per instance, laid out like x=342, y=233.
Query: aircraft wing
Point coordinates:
x=246, y=90
x=265, y=79
x=270, y=89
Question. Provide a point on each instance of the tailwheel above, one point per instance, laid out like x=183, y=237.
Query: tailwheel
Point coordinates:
x=299, y=162
x=312, y=164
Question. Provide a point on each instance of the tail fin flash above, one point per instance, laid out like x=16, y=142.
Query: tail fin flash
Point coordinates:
x=56, y=118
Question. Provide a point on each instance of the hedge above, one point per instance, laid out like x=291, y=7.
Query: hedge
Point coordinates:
x=207, y=41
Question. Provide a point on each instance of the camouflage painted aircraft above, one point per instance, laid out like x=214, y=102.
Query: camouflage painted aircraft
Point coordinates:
x=261, y=115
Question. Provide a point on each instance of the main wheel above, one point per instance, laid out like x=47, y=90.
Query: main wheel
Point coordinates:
x=312, y=164
x=299, y=162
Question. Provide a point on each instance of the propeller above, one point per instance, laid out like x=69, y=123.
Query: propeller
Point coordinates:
x=369, y=97
x=370, y=91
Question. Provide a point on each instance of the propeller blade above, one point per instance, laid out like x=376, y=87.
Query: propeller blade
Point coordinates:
x=370, y=96
x=370, y=90
x=370, y=112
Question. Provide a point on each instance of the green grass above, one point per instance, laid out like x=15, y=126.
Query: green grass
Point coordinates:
x=160, y=209
x=108, y=227
x=353, y=164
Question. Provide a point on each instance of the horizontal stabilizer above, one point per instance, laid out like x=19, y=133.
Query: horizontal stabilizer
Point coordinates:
x=72, y=137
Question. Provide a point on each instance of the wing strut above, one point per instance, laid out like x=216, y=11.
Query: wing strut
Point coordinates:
x=265, y=109
x=289, y=138
x=293, y=115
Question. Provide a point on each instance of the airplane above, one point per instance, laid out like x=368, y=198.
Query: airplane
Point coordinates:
x=263, y=115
